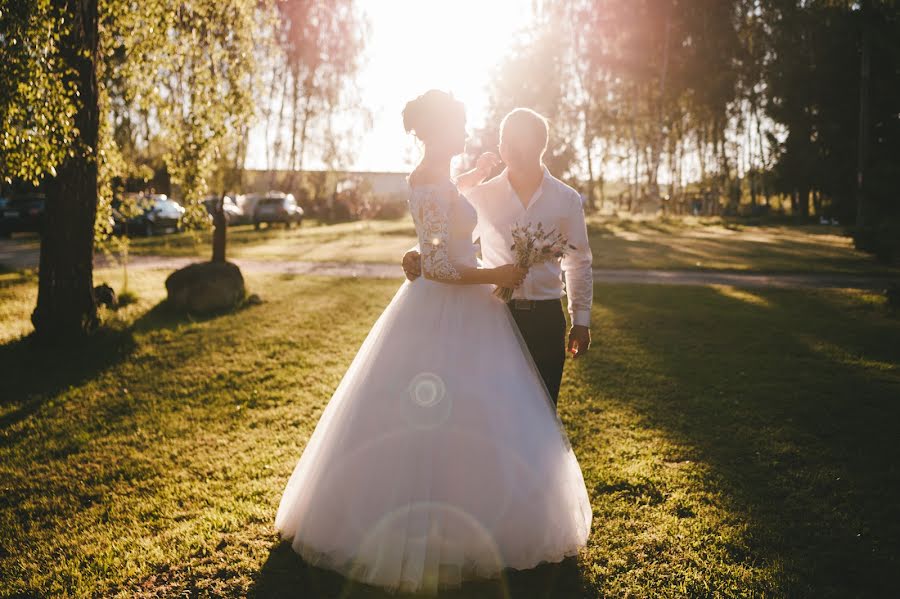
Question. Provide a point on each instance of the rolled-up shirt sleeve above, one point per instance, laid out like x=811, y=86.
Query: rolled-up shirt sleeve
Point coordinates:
x=577, y=265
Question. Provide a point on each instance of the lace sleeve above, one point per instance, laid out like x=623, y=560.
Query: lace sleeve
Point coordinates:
x=430, y=211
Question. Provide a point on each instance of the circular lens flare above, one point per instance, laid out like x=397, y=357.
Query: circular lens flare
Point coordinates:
x=428, y=404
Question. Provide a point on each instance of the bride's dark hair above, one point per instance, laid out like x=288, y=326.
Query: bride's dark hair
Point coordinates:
x=432, y=109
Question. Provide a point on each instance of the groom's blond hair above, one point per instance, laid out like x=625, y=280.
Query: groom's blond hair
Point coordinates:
x=524, y=127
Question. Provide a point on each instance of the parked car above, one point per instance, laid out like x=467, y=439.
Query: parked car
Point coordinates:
x=234, y=214
x=277, y=207
x=159, y=215
x=24, y=213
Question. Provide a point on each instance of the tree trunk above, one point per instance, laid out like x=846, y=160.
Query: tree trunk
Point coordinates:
x=701, y=154
x=633, y=187
x=803, y=202
x=292, y=155
x=66, y=305
x=267, y=111
x=600, y=187
x=656, y=150
x=307, y=115
x=753, y=193
x=591, y=207
x=277, y=144
x=220, y=230
x=863, y=139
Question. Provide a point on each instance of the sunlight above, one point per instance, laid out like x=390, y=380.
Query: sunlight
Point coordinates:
x=417, y=45
x=846, y=357
x=742, y=295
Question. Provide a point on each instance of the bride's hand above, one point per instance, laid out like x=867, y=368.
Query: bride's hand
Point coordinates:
x=509, y=276
x=486, y=163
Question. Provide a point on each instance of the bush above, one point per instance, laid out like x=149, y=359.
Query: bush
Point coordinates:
x=881, y=240
x=892, y=294
x=389, y=209
x=126, y=298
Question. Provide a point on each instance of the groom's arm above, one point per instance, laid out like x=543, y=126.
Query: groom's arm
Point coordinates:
x=578, y=268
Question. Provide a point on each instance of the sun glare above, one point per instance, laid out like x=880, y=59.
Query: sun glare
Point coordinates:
x=417, y=45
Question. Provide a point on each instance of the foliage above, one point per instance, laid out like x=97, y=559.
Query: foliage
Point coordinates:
x=37, y=102
x=175, y=74
x=634, y=83
x=180, y=78
x=814, y=78
x=725, y=98
x=881, y=240
x=532, y=76
x=181, y=58
x=316, y=52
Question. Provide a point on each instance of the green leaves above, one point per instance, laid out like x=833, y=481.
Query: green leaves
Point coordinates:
x=36, y=103
x=185, y=68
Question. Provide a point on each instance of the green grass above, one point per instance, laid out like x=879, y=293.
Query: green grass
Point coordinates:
x=673, y=243
x=18, y=294
x=689, y=243
x=733, y=443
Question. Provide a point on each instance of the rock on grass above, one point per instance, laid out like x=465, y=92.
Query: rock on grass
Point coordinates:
x=206, y=287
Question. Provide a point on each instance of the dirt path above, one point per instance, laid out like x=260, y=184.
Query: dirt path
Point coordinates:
x=16, y=256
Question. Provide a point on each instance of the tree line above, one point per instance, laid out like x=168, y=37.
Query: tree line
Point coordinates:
x=745, y=100
x=740, y=101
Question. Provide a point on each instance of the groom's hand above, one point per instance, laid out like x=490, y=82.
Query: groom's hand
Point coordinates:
x=412, y=265
x=579, y=340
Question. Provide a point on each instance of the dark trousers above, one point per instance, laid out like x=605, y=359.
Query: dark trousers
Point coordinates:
x=544, y=329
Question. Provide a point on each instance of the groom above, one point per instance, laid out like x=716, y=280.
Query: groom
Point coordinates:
x=526, y=193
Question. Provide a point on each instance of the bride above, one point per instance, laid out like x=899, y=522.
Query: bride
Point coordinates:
x=440, y=457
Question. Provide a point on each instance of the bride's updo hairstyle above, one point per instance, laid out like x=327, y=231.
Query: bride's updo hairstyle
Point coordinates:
x=433, y=115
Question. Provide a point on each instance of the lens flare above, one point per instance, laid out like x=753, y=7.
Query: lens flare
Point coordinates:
x=430, y=530
x=427, y=404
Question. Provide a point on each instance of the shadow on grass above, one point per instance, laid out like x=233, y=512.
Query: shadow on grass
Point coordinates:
x=793, y=404
x=672, y=245
x=33, y=372
x=163, y=316
x=11, y=274
x=286, y=575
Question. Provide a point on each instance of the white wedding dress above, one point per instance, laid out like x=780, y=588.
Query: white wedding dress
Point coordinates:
x=440, y=457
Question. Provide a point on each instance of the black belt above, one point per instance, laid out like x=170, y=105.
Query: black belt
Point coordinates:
x=527, y=304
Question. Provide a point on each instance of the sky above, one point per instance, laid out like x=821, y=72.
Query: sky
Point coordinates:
x=417, y=45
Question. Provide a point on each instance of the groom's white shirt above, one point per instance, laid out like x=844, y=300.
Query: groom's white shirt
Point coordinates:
x=556, y=206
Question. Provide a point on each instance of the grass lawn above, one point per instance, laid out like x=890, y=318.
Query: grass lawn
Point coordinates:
x=712, y=243
x=734, y=444
x=676, y=243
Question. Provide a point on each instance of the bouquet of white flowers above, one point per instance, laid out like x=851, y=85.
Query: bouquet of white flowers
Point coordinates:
x=533, y=245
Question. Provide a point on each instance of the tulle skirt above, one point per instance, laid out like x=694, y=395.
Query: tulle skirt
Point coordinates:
x=440, y=457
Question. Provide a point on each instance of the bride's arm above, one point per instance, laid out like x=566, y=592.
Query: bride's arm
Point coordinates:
x=432, y=226
x=483, y=167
